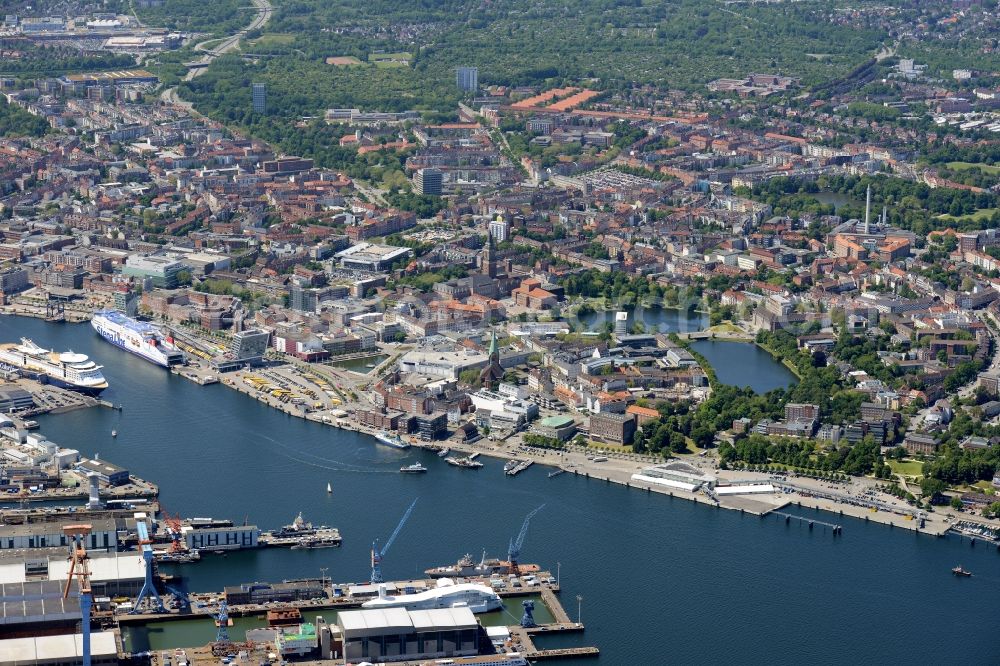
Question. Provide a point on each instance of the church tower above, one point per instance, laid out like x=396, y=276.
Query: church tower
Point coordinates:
x=488, y=260
x=492, y=374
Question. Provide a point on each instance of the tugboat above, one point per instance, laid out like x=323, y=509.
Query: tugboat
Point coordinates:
x=415, y=468
x=959, y=571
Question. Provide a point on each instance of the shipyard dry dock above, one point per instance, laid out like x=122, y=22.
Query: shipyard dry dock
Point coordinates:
x=506, y=633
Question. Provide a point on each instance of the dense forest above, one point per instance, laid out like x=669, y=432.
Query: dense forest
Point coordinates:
x=610, y=43
x=218, y=17
x=55, y=60
x=15, y=121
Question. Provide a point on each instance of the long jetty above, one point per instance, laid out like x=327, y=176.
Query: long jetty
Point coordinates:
x=836, y=529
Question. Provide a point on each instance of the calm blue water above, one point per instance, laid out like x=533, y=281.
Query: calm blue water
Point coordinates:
x=744, y=364
x=662, y=580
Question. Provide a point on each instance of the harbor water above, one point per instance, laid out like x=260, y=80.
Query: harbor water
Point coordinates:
x=662, y=580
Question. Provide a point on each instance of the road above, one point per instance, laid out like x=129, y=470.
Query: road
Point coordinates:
x=264, y=10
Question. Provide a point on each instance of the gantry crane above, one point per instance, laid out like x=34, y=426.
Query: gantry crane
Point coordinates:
x=223, y=623
x=78, y=567
x=514, y=549
x=148, y=586
x=378, y=554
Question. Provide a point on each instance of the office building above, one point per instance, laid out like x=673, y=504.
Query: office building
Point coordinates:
x=612, y=428
x=249, y=346
x=621, y=323
x=467, y=78
x=13, y=280
x=259, y=93
x=428, y=181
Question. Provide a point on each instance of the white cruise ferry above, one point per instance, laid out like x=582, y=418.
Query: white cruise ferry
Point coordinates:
x=477, y=598
x=66, y=369
x=140, y=338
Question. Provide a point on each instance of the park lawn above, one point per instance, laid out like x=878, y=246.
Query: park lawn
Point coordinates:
x=609, y=447
x=343, y=61
x=982, y=213
x=907, y=467
x=725, y=327
x=273, y=39
x=964, y=166
x=984, y=487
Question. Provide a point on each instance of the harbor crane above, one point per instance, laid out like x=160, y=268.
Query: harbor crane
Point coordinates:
x=78, y=567
x=514, y=550
x=148, y=586
x=223, y=622
x=378, y=554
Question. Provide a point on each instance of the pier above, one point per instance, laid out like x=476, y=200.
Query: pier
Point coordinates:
x=836, y=529
x=522, y=637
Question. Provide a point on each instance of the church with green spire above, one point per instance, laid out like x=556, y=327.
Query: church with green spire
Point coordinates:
x=492, y=374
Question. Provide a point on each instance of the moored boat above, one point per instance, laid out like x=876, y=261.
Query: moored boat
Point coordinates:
x=463, y=462
x=466, y=567
x=137, y=337
x=68, y=370
x=391, y=440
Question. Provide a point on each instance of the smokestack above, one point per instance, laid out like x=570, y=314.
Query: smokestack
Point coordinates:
x=868, y=208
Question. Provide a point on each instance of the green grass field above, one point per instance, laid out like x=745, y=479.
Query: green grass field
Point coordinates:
x=907, y=467
x=274, y=39
x=343, y=61
x=964, y=166
x=982, y=213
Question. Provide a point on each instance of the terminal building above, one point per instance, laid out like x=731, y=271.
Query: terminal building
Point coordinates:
x=675, y=475
x=246, y=348
x=395, y=634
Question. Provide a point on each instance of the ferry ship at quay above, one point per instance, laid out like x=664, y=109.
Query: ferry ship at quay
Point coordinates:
x=66, y=369
x=138, y=337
